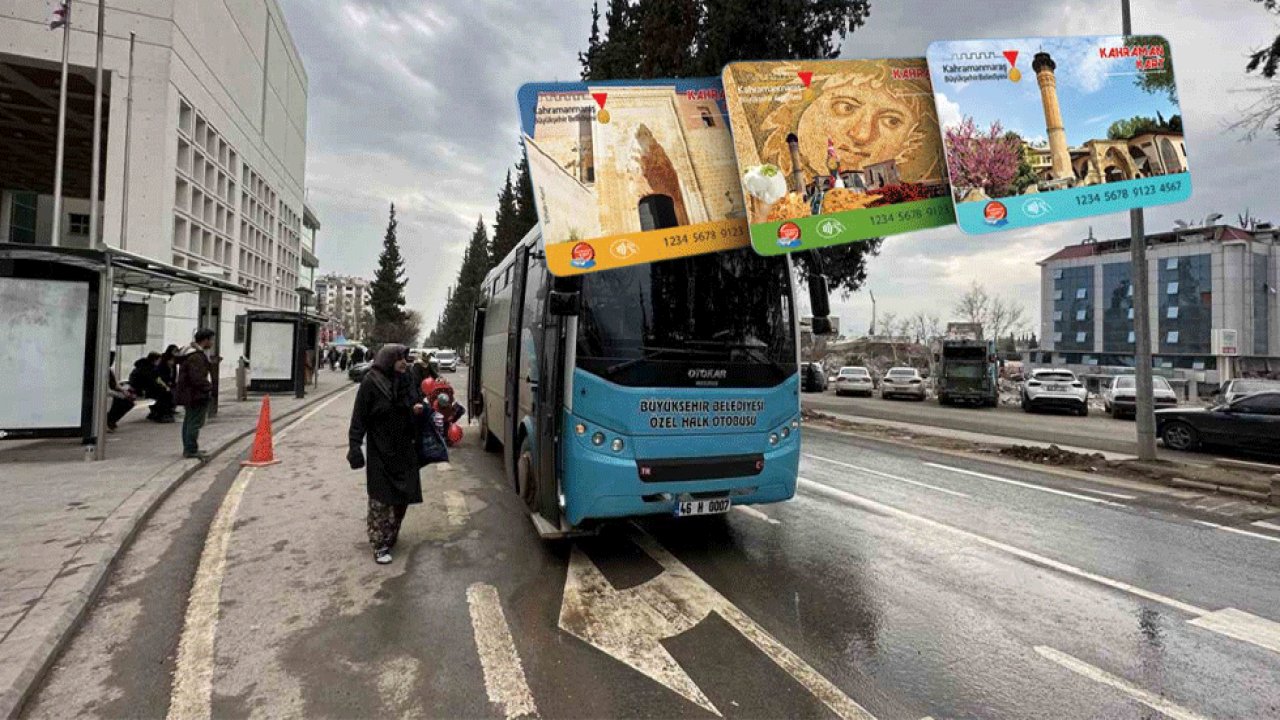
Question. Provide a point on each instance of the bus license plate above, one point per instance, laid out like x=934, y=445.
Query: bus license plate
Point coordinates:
x=714, y=506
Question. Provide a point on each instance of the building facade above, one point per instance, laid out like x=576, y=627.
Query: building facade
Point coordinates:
x=216, y=151
x=345, y=301
x=1201, y=281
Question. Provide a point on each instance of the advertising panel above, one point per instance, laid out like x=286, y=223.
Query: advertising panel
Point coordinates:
x=835, y=151
x=631, y=172
x=1039, y=130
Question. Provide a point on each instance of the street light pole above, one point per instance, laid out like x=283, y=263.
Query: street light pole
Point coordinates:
x=1144, y=412
x=94, y=225
x=62, y=127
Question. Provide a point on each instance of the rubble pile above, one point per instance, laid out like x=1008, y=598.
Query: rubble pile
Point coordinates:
x=1054, y=455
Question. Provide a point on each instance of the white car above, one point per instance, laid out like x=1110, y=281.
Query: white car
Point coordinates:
x=1055, y=388
x=447, y=361
x=1233, y=390
x=902, y=382
x=1120, y=397
x=854, y=381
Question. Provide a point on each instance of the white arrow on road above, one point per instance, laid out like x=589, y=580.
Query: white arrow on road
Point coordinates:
x=630, y=624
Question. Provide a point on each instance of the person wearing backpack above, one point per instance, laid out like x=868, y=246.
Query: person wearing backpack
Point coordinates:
x=195, y=390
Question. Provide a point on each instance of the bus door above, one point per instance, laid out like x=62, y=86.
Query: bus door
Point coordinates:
x=510, y=414
x=475, y=393
x=551, y=358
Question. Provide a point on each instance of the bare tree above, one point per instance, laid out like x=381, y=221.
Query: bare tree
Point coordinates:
x=924, y=327
x=996, y=314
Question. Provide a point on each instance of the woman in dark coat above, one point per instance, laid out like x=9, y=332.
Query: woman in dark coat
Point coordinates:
x=384, y=417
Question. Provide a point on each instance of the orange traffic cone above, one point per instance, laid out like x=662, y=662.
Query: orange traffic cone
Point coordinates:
x=263, y=452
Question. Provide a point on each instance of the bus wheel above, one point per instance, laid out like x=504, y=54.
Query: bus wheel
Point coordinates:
x=526, y=480
x=490, y=443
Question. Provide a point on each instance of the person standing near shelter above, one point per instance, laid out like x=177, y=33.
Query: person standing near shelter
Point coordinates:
x=342, y=361
x=384, y=418
x=121, y=397
x=195, y=390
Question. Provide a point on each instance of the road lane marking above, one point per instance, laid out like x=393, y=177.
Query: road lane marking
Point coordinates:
x=1151, y=700
x=886, y=475
x=1019, y=483
x=1238, y=531
x=1271, y=642
x=629, y=624
x=192, y=690
x=1118, y=496
x=752, y=512
x=1206, y=523
x=1242, y=626
x=1267, y=525
x=455, y=505
x=504, y=678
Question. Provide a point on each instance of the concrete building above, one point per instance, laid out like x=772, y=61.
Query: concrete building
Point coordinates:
x=1202, y=281
x=345, y=300
x=217, y=149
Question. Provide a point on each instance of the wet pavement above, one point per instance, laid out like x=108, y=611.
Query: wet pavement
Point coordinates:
x=898, y=584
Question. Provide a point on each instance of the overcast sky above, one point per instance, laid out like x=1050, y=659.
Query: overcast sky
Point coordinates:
x=413, y=102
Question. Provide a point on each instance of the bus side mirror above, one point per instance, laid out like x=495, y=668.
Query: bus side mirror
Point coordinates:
x=820, y=304
x=564, y=303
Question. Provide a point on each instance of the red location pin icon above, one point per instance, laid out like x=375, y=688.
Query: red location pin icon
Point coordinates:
x=1011, y=56
x=806, y=77
x=603, y=115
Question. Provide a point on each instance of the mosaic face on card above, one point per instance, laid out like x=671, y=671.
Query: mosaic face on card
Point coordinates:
x=835, y=151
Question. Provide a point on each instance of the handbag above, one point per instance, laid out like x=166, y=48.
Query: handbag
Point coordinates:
x=431, y=447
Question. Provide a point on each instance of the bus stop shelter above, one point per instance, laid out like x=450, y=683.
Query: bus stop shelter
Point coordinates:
x=282, y=348
x=55, y=341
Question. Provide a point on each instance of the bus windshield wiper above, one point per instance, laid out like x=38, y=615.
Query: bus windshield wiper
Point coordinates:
x=759, y=351
x=650, y=353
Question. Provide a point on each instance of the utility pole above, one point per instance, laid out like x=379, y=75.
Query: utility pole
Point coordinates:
x=62, y=126
x=94, y=225
x=128, y=133
x=1144, y=412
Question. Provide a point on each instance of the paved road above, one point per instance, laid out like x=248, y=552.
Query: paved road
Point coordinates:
x=1097, y=432
x=898, y=584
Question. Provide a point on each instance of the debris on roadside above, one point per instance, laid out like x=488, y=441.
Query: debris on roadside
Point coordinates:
x=1054, y=455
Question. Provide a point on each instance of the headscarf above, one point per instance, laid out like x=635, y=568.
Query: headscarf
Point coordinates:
x=387, y=356
x=384, y=363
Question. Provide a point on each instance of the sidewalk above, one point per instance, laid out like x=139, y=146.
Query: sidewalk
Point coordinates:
x=64, y=520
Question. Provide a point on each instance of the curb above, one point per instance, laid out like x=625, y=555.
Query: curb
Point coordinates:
x=1098, y=477
x=14, y=698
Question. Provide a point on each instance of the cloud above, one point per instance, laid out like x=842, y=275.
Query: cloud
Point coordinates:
x=948, y=111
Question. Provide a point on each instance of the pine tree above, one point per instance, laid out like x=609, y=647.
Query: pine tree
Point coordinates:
x=454, y=327
x=588, y=58
x=526, y=210
x=386, y=292
x=506, y=230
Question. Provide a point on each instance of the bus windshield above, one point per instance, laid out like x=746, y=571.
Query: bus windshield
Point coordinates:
x=719, y=320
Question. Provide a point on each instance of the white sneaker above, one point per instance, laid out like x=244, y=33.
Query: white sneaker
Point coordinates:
x=382, y=556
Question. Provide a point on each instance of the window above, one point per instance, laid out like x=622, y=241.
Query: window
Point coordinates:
x=78, y=223
x=1268, y=404
x=707, y=119
x=1057, y=294
x=1171, y=264
x=22, y=218
x=1082, y=336
x=1057, y=315
x=1057, y=337
x=1081, y=314
x=1132, y=337
x=1082, y=293
x=1130, y=293
x=1172, y=289
x=1057, y=274
x=1172, y=337
x=1172, y=313
x=1130, y=313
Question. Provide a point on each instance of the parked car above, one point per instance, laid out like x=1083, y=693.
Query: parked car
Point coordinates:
x=1251, y=424
x=1056, y=389
x=812, y=377
x=854, y=381
x=1120, y=398
x=447, y=361
x=1233, y=390
x=356, y=372
x=902, y=382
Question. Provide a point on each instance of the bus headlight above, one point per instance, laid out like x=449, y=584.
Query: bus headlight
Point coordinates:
x=616, y=445
x=580, y=429
x=795, y=424
x=597, y=438
x=773, y=438
x=786, y=433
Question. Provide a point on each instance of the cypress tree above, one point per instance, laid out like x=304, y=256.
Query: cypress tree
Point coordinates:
x=526, y=210
x=386, y=292
x=506, y=231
